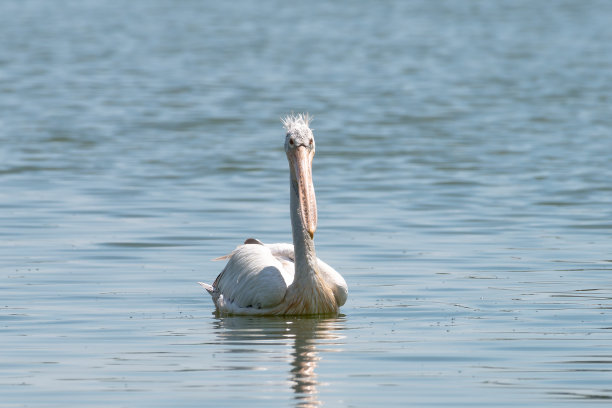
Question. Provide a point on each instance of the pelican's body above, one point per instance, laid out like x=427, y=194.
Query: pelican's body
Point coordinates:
x=283, y=279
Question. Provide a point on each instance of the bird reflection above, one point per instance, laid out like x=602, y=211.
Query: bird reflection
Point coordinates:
x=303, y=334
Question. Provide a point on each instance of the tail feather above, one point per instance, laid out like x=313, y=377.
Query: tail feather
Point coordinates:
x=206, y=286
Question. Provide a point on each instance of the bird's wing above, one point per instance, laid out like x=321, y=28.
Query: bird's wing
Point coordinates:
x=253, y=277
x=281, y=250
x=335, y=281
x=284, y=253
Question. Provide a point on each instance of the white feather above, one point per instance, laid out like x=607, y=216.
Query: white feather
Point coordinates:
x=256, y=279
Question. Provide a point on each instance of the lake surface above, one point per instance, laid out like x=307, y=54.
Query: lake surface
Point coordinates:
x=464, y=185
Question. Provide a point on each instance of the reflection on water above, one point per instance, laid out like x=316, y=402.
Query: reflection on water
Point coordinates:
x=302, y=334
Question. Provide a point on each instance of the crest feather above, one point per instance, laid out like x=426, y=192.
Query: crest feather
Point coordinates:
x=296, y=121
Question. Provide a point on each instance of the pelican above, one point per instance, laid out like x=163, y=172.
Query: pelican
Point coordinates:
x=283, y=279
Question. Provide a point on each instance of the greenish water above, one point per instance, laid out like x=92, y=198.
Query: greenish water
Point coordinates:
x=463, y=180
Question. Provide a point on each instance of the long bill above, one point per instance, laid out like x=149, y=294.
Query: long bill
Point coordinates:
x=302, y=167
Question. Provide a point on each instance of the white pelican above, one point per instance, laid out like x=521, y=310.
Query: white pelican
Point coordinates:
x=283, y=279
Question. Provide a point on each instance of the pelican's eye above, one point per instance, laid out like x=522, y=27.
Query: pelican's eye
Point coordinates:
x=291, y=142
x=311, y=141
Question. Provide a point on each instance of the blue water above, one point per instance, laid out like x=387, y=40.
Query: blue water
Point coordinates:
x=463, y=181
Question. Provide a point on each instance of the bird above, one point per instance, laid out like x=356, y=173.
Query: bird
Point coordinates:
x=283, y=279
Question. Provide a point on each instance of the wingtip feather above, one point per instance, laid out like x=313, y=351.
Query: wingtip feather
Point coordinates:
x=221, y=258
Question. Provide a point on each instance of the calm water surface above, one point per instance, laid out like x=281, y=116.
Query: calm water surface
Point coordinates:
x=463, y=177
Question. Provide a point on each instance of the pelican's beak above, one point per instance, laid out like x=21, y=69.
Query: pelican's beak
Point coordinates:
x=302, y=167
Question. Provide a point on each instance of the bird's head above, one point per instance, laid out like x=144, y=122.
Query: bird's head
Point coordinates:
x=300, y=149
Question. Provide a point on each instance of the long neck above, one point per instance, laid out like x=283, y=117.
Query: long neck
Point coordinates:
x=303, y=245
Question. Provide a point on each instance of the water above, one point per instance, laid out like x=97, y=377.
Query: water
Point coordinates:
x=463, y=184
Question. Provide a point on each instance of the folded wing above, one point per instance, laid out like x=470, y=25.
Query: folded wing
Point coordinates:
x=252, y=278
